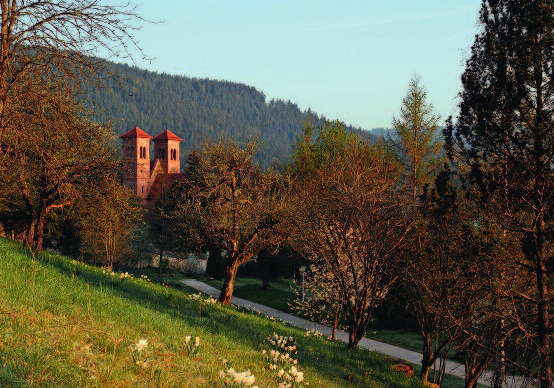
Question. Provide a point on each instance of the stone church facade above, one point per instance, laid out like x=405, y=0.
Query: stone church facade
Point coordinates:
x=143, y=175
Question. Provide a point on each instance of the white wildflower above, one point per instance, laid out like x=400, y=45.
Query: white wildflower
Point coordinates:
x=141, y=344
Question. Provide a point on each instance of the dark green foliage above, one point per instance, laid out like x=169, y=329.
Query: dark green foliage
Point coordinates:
x=503, y=144
x=215, y=267
x=199, y=110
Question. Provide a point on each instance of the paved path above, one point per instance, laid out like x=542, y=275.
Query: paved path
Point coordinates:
x=452, y=367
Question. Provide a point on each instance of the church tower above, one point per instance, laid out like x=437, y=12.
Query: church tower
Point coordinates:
x=166, y=150
x=136, y=161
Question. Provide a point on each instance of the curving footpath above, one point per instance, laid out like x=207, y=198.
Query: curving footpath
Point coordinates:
x=452, y=367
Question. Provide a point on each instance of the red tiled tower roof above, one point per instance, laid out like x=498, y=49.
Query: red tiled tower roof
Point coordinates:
x=167, y=135
x=136, y=132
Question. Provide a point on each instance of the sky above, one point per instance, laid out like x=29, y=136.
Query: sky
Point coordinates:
x=347, y=60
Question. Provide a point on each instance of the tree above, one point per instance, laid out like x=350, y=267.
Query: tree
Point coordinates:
x=229, y=203
x=505, y=136
x=452, y=284
x=56, y=40
x=347, y=217
x=416, y=138
x=109, y=215
x=320, y=296
x=55, y=156
x=45, y=58
x=417, y=144
x=161, y=228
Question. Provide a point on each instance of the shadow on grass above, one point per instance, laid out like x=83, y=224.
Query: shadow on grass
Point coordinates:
x=357, y=368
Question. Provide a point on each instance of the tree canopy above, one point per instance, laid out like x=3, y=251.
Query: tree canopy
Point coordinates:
x=416, y=138
x=502, y=145
x=347, y=216
x=229, y=203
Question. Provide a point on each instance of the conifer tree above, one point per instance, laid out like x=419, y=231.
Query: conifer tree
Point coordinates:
x=503, y=147
x=416, y=138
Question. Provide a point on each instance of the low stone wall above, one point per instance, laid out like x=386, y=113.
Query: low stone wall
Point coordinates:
x=191, y=264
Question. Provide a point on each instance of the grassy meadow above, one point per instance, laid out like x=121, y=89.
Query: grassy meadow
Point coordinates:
x=66, y=324
x=282, y=292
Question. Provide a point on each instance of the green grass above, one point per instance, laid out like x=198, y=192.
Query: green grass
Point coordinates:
x=66, y=324
x=403, y=338
x=278, y=296
x=281, y=294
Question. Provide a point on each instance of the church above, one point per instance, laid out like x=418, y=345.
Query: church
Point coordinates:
x=143, y=176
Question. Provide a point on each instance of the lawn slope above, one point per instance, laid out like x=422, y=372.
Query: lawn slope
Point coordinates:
x=65, y=324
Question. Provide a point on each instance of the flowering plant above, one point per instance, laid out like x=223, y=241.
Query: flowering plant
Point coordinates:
x=138, y=353
x=191, y=348
x=288, y=374
x=232, y=378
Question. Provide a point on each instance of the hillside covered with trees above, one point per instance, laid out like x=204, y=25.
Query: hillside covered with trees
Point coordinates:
x=199, y=110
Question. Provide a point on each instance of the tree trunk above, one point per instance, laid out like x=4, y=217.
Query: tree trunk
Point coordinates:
x=533, y=245
x=427, y=359
x=35, y=232
x=39, y=230
x=474, y=368
x=543, y=325
x=265, y=273
x=336, y=322
x=229, y=283
x=30, y=237
x=160, y=265
x=356, y=332
x=471, y=382
x=500, y=373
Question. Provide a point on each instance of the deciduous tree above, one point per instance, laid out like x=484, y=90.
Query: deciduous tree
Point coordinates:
x=56, y=40
x=55, y=156
x=348, y=217
x=229, y=203
x=110, y=213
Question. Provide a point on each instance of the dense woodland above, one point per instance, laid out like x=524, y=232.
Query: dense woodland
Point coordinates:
x=200, y=110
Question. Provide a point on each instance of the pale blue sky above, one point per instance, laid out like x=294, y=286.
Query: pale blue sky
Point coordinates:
x=348, y=60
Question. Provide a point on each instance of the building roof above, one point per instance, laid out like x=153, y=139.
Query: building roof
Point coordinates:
x=167, y=135
x=134, y=133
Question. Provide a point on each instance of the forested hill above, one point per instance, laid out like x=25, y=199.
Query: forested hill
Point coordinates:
x=198, y=110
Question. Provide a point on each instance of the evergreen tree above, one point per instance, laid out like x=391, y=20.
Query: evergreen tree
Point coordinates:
x=416, y=138
x=503, y=147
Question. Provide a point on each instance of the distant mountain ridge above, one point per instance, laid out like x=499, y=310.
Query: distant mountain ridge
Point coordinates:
x=200, y=110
